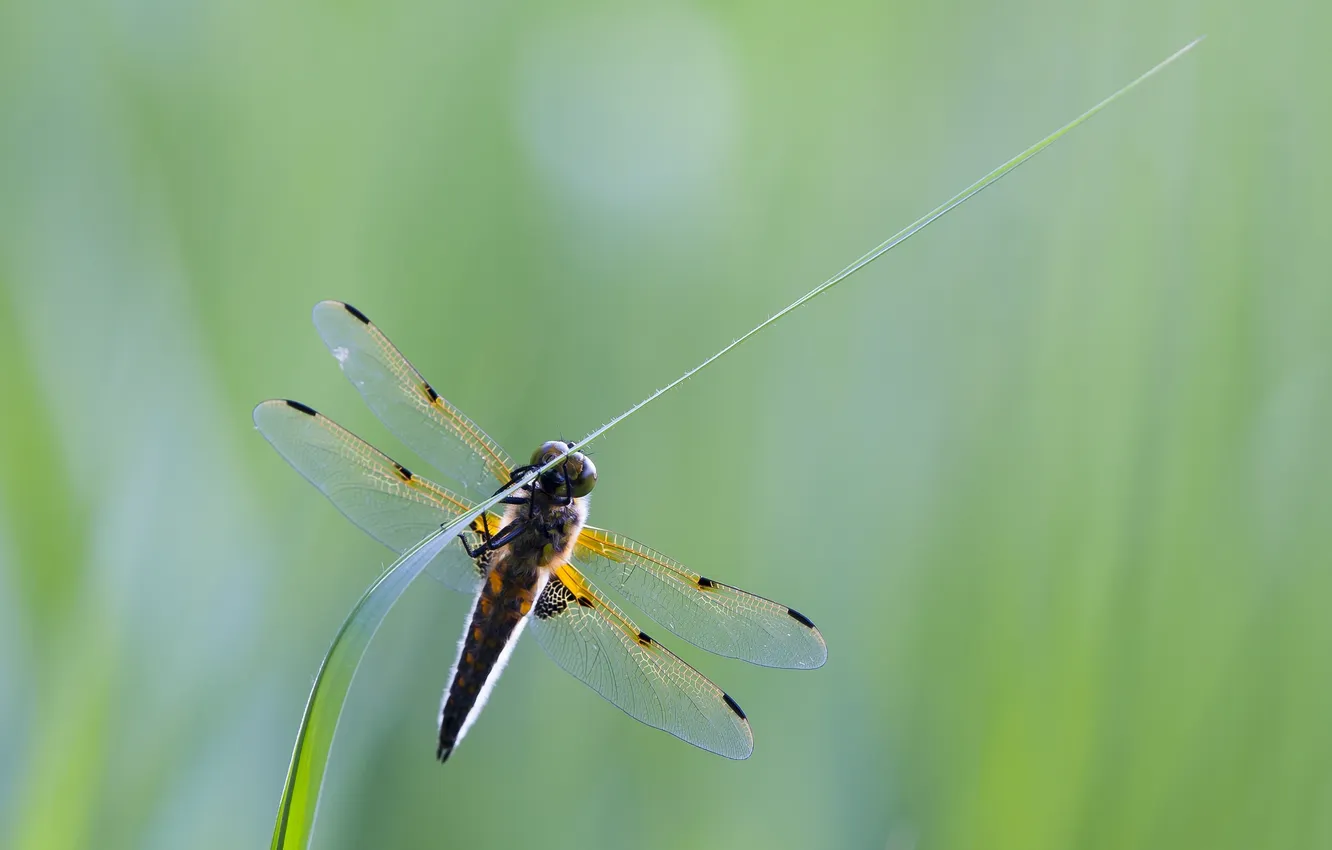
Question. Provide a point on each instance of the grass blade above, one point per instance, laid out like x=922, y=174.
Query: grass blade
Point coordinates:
x=309, y=757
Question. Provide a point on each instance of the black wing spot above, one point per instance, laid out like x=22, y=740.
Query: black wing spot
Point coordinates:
x=357, y=313
x=644, y=640
x=430, y=391
x=403, y=472
x=586, y=603
x=706, y=583
x=308, y=411
x=800, y=618
x=734, y=706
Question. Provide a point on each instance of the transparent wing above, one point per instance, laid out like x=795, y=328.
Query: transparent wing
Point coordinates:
x=590, y=638
x=410, y=407
x=708, y=614
x=388, y=502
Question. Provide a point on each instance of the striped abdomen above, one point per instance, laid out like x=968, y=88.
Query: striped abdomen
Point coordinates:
x=497, y=620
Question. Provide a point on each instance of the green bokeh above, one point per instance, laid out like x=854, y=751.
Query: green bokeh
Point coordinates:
x=1052, y=478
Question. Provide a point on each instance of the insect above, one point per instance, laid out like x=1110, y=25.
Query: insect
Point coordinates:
x=534, y=565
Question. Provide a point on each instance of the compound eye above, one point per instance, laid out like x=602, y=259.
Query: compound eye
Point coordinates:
x=586, y=479
x=546, y=451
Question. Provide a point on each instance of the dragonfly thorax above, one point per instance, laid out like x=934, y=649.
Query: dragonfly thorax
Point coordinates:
x=550, y=527
x=543, y=520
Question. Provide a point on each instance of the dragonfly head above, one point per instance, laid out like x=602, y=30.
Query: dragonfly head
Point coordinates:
x=577, y=470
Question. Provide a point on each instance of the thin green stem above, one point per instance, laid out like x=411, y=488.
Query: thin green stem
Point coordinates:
x=901, y=236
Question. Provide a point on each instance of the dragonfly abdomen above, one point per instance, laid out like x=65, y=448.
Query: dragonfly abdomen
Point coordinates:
x=497, y=621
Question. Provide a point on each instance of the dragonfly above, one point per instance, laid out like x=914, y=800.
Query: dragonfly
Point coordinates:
x=537, y=564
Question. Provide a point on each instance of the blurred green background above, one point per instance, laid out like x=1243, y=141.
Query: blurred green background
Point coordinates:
x=1052, y=478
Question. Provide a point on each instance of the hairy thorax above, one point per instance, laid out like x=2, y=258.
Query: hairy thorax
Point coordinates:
x=548, y=537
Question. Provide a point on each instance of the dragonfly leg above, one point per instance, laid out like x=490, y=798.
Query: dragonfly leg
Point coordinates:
x=514, y=474
x=485, y=527
x=473, y=552
x=490, y=544
x=505, y=536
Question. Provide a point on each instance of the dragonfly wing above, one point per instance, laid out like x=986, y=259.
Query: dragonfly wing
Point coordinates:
x=408, y=405
x=708, y=614
x=388, y=502
x=590, y=638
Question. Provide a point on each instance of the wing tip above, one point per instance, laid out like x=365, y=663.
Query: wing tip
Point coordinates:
x=262, y=409
x=267, y=404
x=819, y=658
x=332, y=305
x=324, y=307
x=747, y=746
